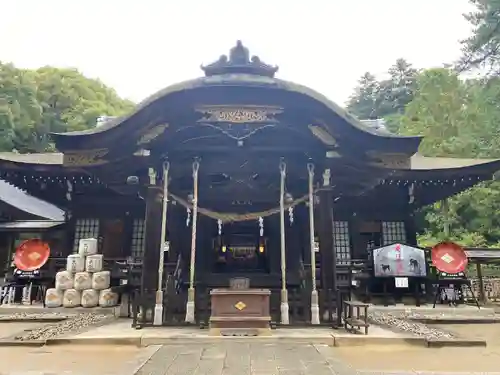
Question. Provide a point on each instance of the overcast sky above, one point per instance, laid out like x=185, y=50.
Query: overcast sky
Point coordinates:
x=139, y=47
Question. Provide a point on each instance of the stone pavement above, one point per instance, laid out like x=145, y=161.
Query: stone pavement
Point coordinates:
x=260, y=359
x=224, y=358
x=238, y=358
x=74, y=360
x=424, y=373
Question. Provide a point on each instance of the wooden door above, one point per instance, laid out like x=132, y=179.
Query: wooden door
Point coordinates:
x=112, y=232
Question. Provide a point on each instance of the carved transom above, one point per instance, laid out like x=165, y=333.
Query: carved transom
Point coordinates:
x=389, y=160
x=86, y=157
x=238, y=114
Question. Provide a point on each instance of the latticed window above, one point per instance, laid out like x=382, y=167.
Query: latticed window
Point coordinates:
x=138, y=239
x=85, y=228
x=393, y=231
x=342, y=241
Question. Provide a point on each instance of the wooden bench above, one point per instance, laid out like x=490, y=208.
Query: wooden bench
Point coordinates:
x=353, y=317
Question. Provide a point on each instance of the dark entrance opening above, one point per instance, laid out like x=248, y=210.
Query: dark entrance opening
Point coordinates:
x=240, y=249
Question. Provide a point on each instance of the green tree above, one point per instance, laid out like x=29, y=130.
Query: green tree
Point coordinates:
x=397, y=91
x=381, y=99
x=364, y=101
x=19, y=108
x=439, y=112
x=482, y=48
x=458, y=119
x=34, y=103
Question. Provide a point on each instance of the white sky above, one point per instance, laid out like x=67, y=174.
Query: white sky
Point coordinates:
x=139, y=47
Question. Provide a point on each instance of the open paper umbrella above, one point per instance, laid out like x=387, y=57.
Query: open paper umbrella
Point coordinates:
x=449, y=257
x=31, y=255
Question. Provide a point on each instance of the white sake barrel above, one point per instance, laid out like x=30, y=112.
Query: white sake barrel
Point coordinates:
x=83, y=280
x=90, y=298
x=87, y=246
x=107, y=298
x=101, y=280
x=75, y=263
x=71, y=298
x=93, y=263
x=64, y=280
x=53, y=297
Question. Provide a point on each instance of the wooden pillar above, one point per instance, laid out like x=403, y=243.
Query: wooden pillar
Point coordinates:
x=358, y=244
x=152, y=234
x=272, y=232
x=411, y=230
x=303, y=222
x=128, y=224
x=174, y=232
x=326, y=243
x=482, y=294
x=293, y=248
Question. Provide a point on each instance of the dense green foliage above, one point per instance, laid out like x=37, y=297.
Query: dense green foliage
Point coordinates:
x=482, y=48
x=459, y=118
x=34, y=103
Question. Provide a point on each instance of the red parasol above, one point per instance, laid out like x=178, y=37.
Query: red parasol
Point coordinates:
x=449, y=257
x=31, y=255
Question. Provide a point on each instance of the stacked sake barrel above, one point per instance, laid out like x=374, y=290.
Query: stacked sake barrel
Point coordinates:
x=84, y=282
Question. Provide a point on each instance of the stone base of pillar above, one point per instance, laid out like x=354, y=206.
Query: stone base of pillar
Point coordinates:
x=314, y=307
x=284, y=308
x=124, y=306
x=190, y=307
x=158, y=313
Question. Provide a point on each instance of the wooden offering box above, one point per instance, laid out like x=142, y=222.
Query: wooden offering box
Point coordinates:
x=240, y=312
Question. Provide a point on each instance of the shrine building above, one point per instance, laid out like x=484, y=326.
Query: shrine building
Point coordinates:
x=237, y=174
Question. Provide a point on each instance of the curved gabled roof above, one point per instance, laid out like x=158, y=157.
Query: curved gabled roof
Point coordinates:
x=242, y=79
x=242, y=71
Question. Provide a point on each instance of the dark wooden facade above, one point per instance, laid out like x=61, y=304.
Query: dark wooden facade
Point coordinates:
x=239, y=123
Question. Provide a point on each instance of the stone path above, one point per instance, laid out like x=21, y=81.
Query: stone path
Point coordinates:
x=424, y=373
x=260, y=359
x=228, y=358
x=224, y=358
x=73, y=360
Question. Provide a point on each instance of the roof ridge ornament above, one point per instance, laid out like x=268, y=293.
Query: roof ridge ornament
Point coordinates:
x=239, y=61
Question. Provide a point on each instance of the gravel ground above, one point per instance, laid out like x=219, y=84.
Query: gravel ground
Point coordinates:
x=402, y=322
x=73, y=324
x=22, y=316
